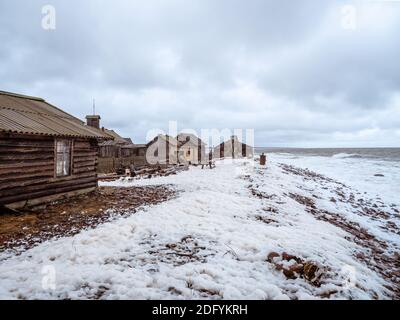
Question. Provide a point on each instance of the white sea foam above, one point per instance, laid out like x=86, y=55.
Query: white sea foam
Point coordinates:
x=129, y=258
x=354, y=171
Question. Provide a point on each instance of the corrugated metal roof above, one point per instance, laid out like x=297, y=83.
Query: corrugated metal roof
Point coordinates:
x=30, y=115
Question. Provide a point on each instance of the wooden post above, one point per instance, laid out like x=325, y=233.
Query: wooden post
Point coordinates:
x=263, y=159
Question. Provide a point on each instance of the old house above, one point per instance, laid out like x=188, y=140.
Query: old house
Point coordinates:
x=45, y=153
x=119, y=153
x=234, y=149
x=192, y=150
x=162, y=150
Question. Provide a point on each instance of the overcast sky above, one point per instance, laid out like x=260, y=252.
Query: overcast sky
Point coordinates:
x=300, y=73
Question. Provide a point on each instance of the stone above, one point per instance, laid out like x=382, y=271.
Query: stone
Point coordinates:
x=298, y=268
x=272, y=255
x=288, y=257
x=289, y=274
x=310, y=270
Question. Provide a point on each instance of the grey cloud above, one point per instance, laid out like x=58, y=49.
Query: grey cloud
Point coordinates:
x=286, y=69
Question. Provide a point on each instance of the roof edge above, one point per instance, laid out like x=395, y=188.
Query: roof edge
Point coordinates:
x=18, y=95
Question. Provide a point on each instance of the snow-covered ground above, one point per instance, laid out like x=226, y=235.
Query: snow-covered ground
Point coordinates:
x=212, y=241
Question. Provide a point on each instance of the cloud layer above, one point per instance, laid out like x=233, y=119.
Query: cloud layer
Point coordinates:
x=293, y=71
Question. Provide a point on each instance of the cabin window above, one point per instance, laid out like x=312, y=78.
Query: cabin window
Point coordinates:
x=63, y=158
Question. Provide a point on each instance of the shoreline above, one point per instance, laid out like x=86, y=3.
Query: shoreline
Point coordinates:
x=234, y=232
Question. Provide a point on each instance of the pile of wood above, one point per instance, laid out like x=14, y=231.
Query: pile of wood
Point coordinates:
x=146, y=172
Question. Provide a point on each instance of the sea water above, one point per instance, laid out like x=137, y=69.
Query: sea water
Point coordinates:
x=374, y=171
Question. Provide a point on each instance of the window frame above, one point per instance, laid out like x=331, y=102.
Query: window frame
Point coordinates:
x=56, y=161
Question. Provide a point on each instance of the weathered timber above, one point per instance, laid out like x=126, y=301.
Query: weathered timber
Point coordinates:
x=29, y=156
x=28, y=168
x=15, y=171
x=47, y=192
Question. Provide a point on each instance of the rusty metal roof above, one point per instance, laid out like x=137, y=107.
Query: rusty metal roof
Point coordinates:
x=30, y=115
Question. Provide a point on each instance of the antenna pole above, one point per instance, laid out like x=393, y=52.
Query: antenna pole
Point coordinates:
x=94, y=107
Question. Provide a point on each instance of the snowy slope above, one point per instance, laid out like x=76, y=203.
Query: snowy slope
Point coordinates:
x=209, y=242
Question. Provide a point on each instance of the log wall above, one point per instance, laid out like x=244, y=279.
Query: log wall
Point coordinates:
x=110, y=165
x=27, y=168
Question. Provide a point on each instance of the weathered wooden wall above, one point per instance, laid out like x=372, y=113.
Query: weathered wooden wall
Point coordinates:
x=27, y=168
x=110, y=165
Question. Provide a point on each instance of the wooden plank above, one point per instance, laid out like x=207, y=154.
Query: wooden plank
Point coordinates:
x=20, y=149
x=24, y=165
x=47, y=192
x=83, y=160
x=23, y=157
x=85, y=169
x=48, y=199
x=24, y=182
x=81, y=164
x=82, y=144
x=26, y=137
x=85, y=154
x=26, y=176
x=82, y=150
x=46, y=185
x=27, y=144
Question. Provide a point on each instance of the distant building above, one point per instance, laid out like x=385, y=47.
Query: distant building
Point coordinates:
x=162, y=150
x=192, y=149
x=234, y=149
x=45, y=153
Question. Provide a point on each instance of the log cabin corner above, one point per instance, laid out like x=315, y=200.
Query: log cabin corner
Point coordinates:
x=45, y=153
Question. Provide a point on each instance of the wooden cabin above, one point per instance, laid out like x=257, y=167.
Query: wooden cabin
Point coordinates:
x=234, y=149
x=192, y=150
x=45, y=153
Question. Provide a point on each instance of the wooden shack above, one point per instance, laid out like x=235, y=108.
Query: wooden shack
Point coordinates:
x=162, y=150
x=192, y=150
x=234, y=149
x=45, y=153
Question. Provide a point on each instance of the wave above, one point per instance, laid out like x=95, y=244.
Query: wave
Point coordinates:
x=346, y=156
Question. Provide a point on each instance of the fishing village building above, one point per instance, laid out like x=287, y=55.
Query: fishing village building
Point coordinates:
x=162, y=150
x=45, y=153
x=234, y=149
x=192, y=150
